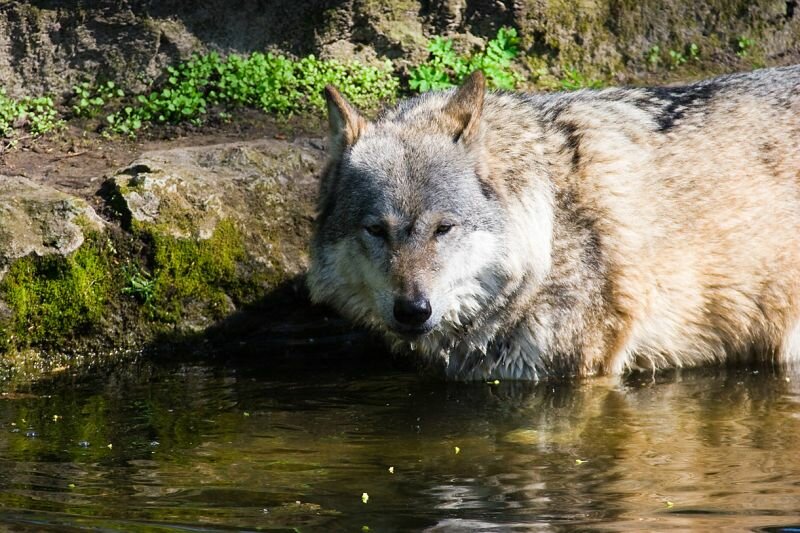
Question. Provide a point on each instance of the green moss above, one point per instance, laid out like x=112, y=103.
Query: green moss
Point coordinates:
x=191, y=272
x=54, y=301
x=51, y=298
x=51, y=304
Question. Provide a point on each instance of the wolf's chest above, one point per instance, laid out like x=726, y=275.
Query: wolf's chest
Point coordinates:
x=518, y=356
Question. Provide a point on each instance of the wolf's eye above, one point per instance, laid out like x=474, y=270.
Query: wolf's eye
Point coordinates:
x=442, y=229
x=376, y=230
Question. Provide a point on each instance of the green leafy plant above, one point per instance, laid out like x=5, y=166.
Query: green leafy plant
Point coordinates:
x=88, y=100
x=363, y=85
x=33, y=115
x=139, y=284
x=573, y=79
x=744, y=46
x=694, y=52
x=446, y=68
x=9, y=111
x=41, y=114
x=654, y=56
x=496, y=59
x=676, y=59
x=270, y=82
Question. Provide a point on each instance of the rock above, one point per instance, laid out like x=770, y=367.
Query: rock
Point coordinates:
x=265, y=188
x=36, y=219
x=613, y=39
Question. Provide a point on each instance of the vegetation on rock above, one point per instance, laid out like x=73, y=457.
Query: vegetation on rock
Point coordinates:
x=192, y=236
x=89, y=100
x=273, y=83
x=194, y=271
x=211, y=84
x=53, y=297
x=446, y=68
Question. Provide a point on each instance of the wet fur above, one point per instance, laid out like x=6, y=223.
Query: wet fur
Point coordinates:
x=599, y=231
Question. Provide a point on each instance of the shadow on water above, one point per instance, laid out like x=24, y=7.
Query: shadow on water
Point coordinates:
x=282, y=332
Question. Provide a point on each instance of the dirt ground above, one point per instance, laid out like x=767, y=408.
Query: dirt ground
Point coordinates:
x=77, y=158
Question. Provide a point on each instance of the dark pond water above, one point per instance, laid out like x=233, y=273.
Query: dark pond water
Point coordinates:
x=294, y=446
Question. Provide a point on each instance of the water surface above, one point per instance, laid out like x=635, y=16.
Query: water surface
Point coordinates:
x=294, y=446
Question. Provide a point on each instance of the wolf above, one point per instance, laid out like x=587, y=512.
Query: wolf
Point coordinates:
x=500, y=235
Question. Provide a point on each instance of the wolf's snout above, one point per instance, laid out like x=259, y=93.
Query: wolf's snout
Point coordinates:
x=412, y=313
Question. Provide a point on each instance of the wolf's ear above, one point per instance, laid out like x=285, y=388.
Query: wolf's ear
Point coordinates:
x=346, y=123
x=465, y=107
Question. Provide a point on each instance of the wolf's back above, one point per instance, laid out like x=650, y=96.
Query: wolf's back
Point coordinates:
x=693, y=195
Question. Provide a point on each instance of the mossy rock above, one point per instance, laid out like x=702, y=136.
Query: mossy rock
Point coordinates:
x=41, y=221
x=613, y=39
x=200, y=234
x=223, y=224
x=265, y=188
x=54, y=270
x=52, y=298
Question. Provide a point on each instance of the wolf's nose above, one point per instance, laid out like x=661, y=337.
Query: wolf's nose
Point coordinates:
x=412, y=313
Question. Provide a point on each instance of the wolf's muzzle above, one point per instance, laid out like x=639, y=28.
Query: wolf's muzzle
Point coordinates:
x=412, y=314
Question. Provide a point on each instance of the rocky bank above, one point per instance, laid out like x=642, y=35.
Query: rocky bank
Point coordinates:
x=164, y=248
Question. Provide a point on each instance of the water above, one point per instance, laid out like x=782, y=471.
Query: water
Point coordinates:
x=293, y=446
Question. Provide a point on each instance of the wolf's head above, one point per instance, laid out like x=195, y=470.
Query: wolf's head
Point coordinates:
x=411, y=236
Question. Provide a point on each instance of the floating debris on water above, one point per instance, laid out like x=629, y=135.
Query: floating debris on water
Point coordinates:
x=580, y=461
x=457, y=450
x=365, y=497
x=84, y=444
x=391, y=470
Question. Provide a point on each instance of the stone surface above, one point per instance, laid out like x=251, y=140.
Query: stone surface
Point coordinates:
x=266, y=188
x=36, y=219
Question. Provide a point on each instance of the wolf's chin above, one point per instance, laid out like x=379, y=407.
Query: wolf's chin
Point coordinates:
x=410, y=334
